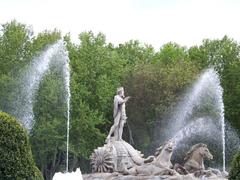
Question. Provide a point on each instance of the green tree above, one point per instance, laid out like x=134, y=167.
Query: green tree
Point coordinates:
x=155, y=88
x=234, y=173
x=15, y=43
x=223, y=55
x=48, y=135
x=134, y=53
x=170, y=52
x=15, y=40
x=16, y=160
x=18, y=46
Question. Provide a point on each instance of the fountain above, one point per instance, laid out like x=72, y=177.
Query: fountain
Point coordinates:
x=190, y=119
x=201, y=112
x=29, y=84
x=208, y=82
x=117, y=155
x=208, y=131
x=67, y=85
x=206, y=88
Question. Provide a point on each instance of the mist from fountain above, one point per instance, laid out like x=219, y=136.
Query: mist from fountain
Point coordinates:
x=30, y=81
x=55, y=54
x=209, y=130
x=201, y=113
x=206, y=87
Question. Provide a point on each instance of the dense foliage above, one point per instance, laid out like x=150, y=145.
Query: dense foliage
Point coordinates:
x=234, y=173
x=16, y=160
x=155, y=79
x=155, y=88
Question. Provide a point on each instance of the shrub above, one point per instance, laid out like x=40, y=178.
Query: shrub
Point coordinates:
x=234, y=173
x=16, y=161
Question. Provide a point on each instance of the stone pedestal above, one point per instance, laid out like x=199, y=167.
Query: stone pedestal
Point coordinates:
x=115, y=156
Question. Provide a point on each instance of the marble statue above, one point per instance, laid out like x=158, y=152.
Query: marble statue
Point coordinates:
x=119, y=115
x=195, y=156
x=118, y=160
x=160, y=167
x=194, y=163
x=161, y=164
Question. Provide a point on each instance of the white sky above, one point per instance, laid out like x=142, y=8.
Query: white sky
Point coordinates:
x=154, y=22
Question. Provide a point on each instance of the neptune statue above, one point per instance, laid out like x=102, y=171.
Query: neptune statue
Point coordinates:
x=119, y=115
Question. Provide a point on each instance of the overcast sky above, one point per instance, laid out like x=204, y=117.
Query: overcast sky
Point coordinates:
x=154, y=22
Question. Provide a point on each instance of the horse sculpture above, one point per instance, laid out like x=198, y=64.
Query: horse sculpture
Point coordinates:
x=163, y=155
x=161, y=165
x=195, y=157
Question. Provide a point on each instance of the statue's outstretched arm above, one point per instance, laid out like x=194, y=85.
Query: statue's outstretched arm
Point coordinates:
x=121, y=101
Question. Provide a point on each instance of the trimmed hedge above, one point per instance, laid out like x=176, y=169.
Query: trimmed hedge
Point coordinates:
x=16, y=160
x=234, y=173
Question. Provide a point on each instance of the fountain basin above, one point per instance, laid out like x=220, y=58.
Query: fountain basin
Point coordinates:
x=77, y=175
